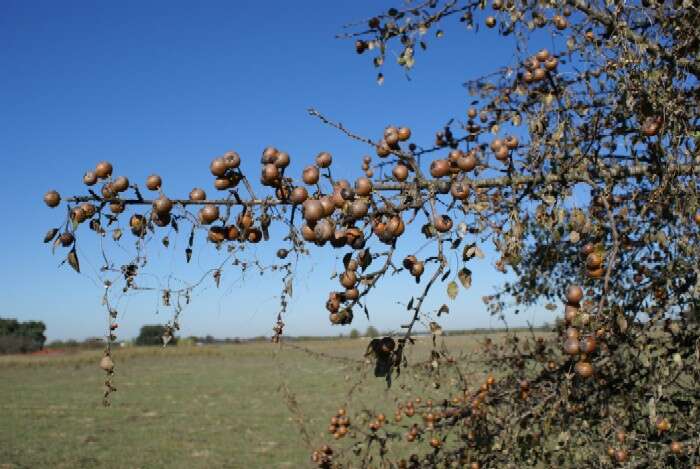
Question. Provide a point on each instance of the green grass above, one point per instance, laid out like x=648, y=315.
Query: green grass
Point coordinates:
x=190, y=407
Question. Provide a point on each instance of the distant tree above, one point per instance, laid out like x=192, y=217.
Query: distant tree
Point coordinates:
x=21, y=337
x=354, y=334
x=371, y=332
x=152, y=334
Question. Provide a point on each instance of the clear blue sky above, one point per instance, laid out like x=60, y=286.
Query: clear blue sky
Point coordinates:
x=165, y=86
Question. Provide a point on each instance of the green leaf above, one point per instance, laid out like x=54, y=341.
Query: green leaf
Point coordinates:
x=452, y=290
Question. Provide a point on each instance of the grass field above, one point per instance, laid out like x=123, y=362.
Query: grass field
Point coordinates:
x=189, y=407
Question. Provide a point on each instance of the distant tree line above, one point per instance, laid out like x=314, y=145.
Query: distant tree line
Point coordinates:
x=21, y=337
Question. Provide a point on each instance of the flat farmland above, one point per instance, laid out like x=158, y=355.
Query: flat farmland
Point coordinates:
x=239, y=405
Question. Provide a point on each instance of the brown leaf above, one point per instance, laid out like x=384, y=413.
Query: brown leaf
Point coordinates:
x=51, y=234
x=73, y=260
x=465, y=277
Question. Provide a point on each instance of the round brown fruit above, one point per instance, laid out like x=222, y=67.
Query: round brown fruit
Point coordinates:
x=88, y=208
x=400, y=172
x=137, y=223
x=417, y=269
x=108, y=192
x=328, y=205
x=574, y=294
x=66, y=239
x=222, y=183
x=198, y=194
x=490, y=21
x=313, y=210
x=52, y=199
x=231, y=232
x=299, y=195
x=404, y=133
x=358, y=209
x=594, y=260
x=103, y=169
x=588, y=344
x=89, y=178
x=439, y=168
x=621, y=456
x=269, y=155
x=232, y=159
x=348, y=279
x=117, y=207
x=324, y=159
x=571, y=346
x=120, y=184
x=551, y=63
x=208, y=214
x=542, y=55
x=282, y=160
x=584, y=369
x=596, y=273
x=459, y=190
x=442, y=223
x=153, y=182
x=254, y=235
x=216, y=234
x=162, y=205
x=383, y=149
x=270, y=173
x=363, y=187
x=676, y=447
x=466, y=162
x=310, y=175
x=218, y=167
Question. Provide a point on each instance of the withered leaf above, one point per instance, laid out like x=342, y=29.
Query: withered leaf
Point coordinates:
x=51, y=234
x=117, y=234
x=435, y=328
x=73, y=260
x=465, y=277
x=188, y=254
x=452, y=290
x=444, y=309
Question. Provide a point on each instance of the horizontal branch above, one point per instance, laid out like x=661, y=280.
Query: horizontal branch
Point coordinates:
x=437, y=185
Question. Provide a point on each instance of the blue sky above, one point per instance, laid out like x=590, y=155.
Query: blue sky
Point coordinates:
x=165, y=87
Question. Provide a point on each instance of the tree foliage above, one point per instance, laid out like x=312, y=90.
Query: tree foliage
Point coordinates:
x=21, y=337
x=154, y=334
x=579, y=164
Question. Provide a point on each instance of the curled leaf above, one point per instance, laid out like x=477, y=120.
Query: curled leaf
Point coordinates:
x=51, y=234
x=465, y=277
x=73, y=260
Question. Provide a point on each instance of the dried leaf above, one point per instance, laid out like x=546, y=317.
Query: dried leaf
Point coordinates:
x=452, y=290
x=444, y=309
x=117, y=234
x=51, y=234
x=435, y=328
x=465, y=277
x=73, y=260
